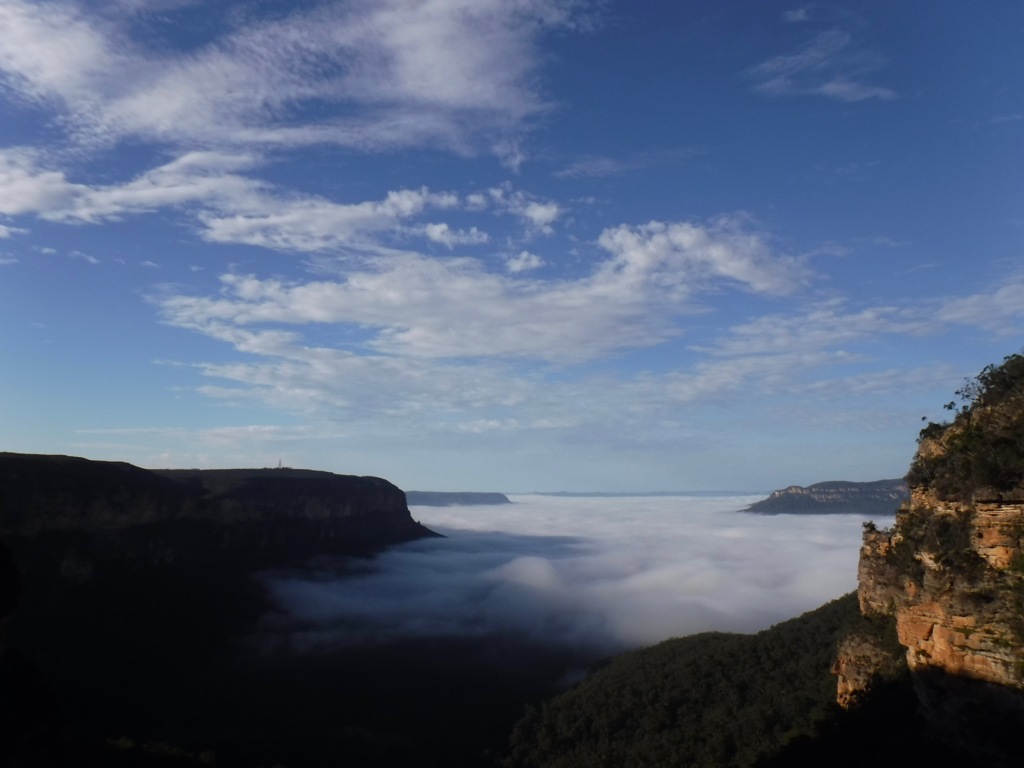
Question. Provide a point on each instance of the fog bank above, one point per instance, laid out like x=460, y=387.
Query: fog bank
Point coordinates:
x=604, y=574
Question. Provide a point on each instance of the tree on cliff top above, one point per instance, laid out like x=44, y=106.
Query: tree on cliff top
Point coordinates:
x=983, y=447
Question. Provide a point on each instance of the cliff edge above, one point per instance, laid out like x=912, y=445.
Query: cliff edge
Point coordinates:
x=950, y=574
x=84, y=513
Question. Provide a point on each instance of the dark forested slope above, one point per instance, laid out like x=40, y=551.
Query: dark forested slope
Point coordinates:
x=711, y=699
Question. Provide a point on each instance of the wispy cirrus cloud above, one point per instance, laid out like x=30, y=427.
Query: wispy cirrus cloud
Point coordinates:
x=451, y=73
x=819, y=326
x=598, y=166
x=1000, y=310
x=457, y=374
x=29, y=185
x=830, y=65
x=229, y=204
x=6, y=231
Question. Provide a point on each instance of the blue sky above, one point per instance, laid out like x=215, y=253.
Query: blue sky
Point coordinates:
x=505, y=244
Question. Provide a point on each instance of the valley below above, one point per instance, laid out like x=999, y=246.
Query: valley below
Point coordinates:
x=147, y=635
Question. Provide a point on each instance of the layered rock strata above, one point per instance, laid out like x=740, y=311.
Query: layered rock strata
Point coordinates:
x=948, y=573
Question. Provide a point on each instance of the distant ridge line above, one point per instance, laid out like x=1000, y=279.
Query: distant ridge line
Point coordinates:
x=627, y=494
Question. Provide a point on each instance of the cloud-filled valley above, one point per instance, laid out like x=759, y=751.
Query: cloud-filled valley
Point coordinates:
x=597, y=575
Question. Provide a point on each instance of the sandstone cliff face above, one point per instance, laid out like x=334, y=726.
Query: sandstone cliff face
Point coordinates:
x=950, y=574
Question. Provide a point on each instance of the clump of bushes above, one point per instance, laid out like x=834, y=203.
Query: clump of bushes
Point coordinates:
x=983, y=446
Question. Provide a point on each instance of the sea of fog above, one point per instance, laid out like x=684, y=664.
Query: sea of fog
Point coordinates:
x=598, y=573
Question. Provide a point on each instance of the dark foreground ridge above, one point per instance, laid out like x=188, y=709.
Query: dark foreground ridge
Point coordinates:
x=89, y=514
x=126, y=599
x=835, y=497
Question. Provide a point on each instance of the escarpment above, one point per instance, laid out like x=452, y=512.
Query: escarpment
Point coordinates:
x=834, y=497
x=137, y=604
x=949, y=576
x=69, y=515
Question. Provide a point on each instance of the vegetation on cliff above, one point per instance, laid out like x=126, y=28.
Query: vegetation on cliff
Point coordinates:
x=982, y=448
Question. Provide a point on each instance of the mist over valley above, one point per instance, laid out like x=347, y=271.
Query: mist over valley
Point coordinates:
x=599, y=575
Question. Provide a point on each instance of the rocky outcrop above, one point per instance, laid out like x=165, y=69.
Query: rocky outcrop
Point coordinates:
x=880, y=497
x=865, y=658
x=949, y=576
x=69, y=515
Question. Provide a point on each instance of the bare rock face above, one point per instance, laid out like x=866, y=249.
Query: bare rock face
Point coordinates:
x=863, y=660
x=948, y=575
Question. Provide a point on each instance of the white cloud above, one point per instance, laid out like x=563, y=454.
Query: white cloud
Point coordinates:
x=51, y=52
x=477, y=201
x=796, y=15
x=6, y=232
x=827, y=324
x=26, y=187
x=847, y=90
x=596, y=166
x=446, y=378
x=541, y=215
x=1000, y=310
x=84, y=257
x=229, y=207
x=456, y=308
x=523, y=262
x=826, y=66
x=593, y=167
x=445, y=235
x=510, y=153
x=537, y=215
x=645, y=569
x=302, y=379
x=447, y=72
x=315, y=224
x=680, y=255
